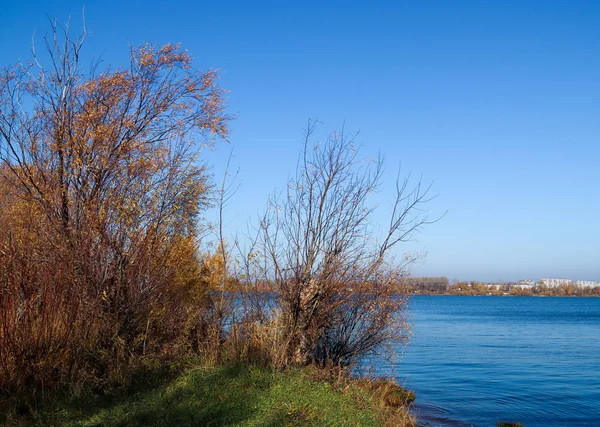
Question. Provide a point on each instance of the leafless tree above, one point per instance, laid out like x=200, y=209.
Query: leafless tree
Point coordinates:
x=335, y=280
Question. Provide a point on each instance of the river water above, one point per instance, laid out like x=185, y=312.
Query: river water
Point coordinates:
x=473, y=361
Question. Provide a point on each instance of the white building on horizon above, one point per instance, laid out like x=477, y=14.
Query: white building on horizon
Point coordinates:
x=587, y=284
x=525, y=284
x=552, y=282
x=555, y=283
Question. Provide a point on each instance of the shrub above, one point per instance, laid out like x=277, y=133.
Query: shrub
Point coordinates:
x=101, y=195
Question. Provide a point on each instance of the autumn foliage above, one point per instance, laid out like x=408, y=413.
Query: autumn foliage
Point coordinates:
x=101, y=189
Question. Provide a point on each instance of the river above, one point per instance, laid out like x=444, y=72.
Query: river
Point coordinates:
x=473, y=361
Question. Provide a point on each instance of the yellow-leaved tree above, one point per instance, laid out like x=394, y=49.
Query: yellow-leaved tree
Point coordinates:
x=101, y=192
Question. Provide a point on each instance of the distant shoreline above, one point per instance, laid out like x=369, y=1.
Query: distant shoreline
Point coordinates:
x=496, y=295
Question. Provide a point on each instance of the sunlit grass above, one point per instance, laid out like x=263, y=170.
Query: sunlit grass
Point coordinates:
x=234, y=395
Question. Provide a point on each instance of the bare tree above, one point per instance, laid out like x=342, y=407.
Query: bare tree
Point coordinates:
x=334, y=280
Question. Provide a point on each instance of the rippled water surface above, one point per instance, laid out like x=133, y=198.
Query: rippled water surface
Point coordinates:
x=478, y=360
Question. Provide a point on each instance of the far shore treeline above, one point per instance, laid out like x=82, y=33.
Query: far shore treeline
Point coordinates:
x=442, y=286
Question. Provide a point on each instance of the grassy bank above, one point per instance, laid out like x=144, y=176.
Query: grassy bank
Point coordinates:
x=234, y=395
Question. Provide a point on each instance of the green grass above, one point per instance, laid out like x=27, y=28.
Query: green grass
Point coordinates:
x=235, y=395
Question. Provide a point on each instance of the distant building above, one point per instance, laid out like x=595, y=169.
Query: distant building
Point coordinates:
x=525, y=284
x=555, y=283
x=587, y=284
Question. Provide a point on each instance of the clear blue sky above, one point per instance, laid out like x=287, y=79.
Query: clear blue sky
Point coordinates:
x=499, y=102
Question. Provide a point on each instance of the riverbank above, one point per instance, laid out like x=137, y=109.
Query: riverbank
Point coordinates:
x=236, y=395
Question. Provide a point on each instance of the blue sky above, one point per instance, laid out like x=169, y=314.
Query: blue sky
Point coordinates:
x=498, y=102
